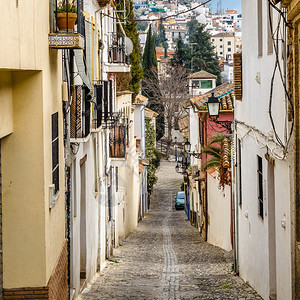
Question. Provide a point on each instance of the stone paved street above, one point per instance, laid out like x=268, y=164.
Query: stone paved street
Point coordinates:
x=165, y=258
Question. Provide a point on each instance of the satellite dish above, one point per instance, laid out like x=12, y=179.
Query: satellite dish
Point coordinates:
x=128, y=45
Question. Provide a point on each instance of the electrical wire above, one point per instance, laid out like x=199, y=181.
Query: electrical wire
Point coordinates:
x=161, y=18
x=262, y=145
x=278, y=66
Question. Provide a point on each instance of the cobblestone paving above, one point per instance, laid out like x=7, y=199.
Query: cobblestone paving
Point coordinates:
x=165, y=258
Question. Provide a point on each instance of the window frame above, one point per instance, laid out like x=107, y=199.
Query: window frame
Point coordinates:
x=260, y=187
x=55, y=152
x=206, y=81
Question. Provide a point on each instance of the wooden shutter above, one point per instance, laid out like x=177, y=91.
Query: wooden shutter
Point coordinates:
x=75, y=126
x=99, y=97
x=238, y=78
x=87, y=112
x=105, y=86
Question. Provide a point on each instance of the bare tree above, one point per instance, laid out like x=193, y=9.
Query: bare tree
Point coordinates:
x=167, y=92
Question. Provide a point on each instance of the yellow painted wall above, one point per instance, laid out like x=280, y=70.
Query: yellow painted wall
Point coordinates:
x=23, y=186
x=33, y=234
x=6, y=109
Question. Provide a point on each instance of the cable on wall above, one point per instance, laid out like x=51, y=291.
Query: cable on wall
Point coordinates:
x=278, y=66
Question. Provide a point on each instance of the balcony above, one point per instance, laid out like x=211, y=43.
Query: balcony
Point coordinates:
x=80, y=119
x=104, y=110
x=118, y=61
x=64, y=34
x=118, y=141
x=102, y=3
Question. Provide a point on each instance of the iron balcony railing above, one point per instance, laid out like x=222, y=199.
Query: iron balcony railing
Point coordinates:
x=104, y=106
x=116, y=49
x=67, y=16
x=118, y=140
x=80, y=114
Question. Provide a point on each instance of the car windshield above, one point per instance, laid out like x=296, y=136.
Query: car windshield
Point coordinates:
x=180, y=196
x=180, y=201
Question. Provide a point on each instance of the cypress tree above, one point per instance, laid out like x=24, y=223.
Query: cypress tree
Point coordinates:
x=150, y=80
x=160, y=37
x=179, y=58
x=149, y=56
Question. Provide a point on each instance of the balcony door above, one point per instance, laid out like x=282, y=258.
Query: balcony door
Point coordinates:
x=83, y=221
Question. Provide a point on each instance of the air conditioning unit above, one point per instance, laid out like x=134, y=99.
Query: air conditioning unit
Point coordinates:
x=52, y=199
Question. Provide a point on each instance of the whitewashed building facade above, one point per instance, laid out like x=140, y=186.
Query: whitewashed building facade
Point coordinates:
x=263, y=173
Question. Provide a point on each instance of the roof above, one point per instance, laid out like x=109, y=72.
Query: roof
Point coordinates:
x=202, y=74
x=223, y=34
x=124, y=93
x=183, y=124
x=140, y=99
x=150, y=113
x=225, y=94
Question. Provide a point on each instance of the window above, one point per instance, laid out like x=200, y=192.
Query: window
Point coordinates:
x=213, y=40
x=270, y=38
x=95, y=165
x=195, y=83
x=55, y=152
x=260, y=187
x=221, y=40
x=117, y=179
x=206, y=84
x=221, y=46
x=221, y=53
x=259, y=27
x=229, y=43
x=229, y=50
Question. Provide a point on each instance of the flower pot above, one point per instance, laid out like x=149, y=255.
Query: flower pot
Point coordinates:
x=61, y=21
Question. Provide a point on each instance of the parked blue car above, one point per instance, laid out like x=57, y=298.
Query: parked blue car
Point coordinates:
x=180, y=200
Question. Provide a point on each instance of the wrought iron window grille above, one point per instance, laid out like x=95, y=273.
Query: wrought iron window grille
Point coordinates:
x=116, y=48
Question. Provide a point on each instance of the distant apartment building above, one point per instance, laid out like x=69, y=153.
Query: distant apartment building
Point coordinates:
x=224, y=44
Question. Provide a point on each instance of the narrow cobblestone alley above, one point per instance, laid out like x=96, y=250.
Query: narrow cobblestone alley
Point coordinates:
x=165, y=258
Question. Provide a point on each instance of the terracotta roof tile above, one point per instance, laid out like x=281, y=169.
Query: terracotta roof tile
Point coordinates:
x=202, y=74
x=223, y=34
x=150, y=114
x=224, y=92
x=183, y=124
x=140, y=99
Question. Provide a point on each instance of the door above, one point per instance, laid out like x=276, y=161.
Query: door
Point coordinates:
x=82, y=222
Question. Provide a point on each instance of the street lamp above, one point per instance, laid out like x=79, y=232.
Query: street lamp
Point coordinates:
x=187, y=146
x=180, y=157
x=175, y=146
x=187, y=149
x=213, y=106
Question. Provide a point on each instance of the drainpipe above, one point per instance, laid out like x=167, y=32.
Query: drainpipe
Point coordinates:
x=66, y=120
x=235, y=208
x=206, y=200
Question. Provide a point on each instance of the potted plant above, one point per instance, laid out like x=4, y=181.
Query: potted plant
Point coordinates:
x=66, y=8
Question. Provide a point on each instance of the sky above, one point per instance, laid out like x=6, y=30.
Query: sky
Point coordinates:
x=232, y=4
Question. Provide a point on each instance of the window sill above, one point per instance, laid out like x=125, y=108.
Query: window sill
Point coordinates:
x=53, y=199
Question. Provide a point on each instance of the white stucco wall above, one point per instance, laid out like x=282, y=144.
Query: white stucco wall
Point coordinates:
x=193, y=133
x=219, y=214
x=258, y=257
